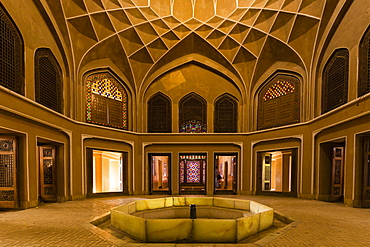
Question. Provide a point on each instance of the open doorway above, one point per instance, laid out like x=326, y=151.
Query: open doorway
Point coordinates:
x=225, y=173
x=277, y=172
x=160, y=173
x=331, y=169
x=106, y=172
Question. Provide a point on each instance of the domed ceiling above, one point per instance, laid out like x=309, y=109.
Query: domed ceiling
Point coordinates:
x=244, y=37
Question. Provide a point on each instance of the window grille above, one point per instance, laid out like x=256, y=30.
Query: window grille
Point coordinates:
x=159, y=114
x=193, y=114
x=48, y=80
x=278, y=102
x=106, y=101
x=364, y=77
x=11, y=54
x=335, y=81
x=226, y=115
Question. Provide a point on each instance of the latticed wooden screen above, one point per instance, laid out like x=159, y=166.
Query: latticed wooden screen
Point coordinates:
x=279, y=102
x=47, y=173
x=11, y=54
x=193, y=114
x=106, y=101
x=226, y=115
x=48, y=80
x=335, y=81
x=364, y=69
x=159, y=114
x=7, y=172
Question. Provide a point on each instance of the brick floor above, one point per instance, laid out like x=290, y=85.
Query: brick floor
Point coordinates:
x=65, y=224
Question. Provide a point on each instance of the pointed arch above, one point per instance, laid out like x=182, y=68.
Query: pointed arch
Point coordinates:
x=192, y=114
x=48, y=80
x=11, y=50
x=159, y=114
x=279, y=102
x=106, y=102
x=364, y=64
x=226, y=114
x=335, y=80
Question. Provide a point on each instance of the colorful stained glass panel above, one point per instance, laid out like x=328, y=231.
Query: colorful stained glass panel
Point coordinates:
x=182, y=173
x=279, y=89
x=104, y=86
x=193, y=172
x=193, y=126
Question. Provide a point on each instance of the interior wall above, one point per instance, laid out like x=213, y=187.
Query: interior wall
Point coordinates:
x=176, y=149
x=29, y=121
x=191, y=78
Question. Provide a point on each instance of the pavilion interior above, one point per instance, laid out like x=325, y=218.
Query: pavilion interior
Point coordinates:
x=178, y=97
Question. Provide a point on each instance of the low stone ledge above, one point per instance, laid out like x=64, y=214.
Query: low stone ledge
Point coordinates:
x=192, y=230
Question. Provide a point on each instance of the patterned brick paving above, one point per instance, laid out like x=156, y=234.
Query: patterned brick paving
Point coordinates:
x=65, y=224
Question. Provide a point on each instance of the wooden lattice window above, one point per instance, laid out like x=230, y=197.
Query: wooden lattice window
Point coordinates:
x=364, y=55
x=193, y=114
x=226, y=114
x=335, y=81
x=11, y=54
x=279, y=102
x=106, y=101
x=159, y=114
x=48, y=80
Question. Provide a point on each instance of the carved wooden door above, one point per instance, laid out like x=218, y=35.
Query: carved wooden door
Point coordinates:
x=337, y=173
x=366, y=178
x=47, y=173
x=8, y=171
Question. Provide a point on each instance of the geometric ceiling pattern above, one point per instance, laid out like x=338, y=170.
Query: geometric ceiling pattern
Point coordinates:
x=239, y=30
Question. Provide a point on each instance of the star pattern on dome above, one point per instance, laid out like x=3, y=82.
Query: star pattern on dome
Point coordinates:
x=149, y=29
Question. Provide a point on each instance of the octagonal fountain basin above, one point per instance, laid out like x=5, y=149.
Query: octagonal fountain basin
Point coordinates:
x=219, y=220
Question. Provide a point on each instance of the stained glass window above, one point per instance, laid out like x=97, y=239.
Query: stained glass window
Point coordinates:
x=364, y=77
x=106, y=101
x=193, y=156
x=182, y=172
x=193, y=168
x=159, y=114
x=11, y=50
x=226, y=114
x=193, y=126
x=193, y=114
x=278, y=89
x=335, y=80
x=48, y=80
x=204, y=171
x=278, y=102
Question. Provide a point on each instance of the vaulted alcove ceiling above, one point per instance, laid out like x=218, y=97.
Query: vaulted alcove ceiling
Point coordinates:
x=139, y=35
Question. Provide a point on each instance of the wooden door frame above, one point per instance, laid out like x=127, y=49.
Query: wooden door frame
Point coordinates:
x=336, y=190
x=11, y=203
x=197, y=187
x=169, y=173
x=235, y=167
x=51, y=197
x=365, y=185
x=89, y=173
x=294, y=174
